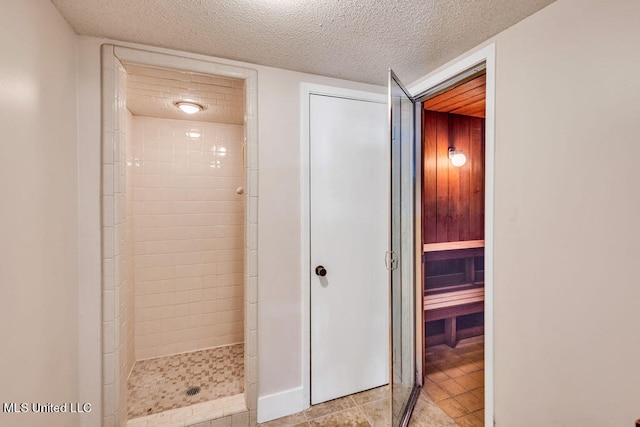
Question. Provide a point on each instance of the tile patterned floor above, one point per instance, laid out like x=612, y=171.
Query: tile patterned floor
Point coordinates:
x=427, y=414
x=455, y=380
x=367, y=409
x=453, y=394
x=157, y=385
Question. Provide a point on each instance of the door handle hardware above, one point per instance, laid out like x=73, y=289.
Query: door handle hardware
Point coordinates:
x=321, y=271
x=389, y=262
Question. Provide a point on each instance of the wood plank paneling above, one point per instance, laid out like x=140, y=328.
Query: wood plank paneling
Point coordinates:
x=462, y=142
x=442, y=177
x=453, y=198
x=453, y=212
x=429, y=173
x=467, y=99
x=476, y=195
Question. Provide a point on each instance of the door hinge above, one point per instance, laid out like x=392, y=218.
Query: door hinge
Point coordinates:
x=389, y=261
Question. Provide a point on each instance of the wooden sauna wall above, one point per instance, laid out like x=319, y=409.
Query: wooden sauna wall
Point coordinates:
x=453, y=197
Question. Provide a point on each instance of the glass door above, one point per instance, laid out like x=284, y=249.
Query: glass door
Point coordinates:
x=401, y=262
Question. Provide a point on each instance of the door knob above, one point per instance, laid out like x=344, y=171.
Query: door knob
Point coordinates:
x=321, y=271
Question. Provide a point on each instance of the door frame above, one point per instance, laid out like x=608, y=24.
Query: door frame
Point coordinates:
x=111, y=53
x=306, y=90
x=416, y=244
x=418, y=89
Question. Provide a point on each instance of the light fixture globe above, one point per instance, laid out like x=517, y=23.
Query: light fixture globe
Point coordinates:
x=457, y=157
x=188, y=107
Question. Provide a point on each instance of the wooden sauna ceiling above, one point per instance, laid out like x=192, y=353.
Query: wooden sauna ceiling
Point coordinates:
x=468, y=99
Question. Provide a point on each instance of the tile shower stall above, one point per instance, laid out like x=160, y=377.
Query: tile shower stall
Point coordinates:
x=187, y=235
x=174, y=247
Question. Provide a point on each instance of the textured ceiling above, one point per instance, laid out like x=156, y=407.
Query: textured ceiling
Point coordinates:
x=350, y=39
x=152, y=92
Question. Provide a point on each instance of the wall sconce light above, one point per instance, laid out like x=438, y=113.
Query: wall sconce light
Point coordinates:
x=457, y=157
x=188, y=107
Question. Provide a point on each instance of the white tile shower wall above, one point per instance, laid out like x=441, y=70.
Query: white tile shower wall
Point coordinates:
x=189, y=235
x=117, y=246
x=123, y=241
x=130, y=292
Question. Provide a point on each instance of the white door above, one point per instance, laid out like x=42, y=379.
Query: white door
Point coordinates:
x=349, y=234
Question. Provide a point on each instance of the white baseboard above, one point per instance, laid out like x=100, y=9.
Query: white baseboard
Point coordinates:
x=281, y=404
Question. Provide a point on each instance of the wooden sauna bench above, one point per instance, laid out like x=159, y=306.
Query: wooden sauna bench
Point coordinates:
x=452, y=301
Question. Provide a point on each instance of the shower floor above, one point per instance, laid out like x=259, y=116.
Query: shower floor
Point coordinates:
x=161, y=384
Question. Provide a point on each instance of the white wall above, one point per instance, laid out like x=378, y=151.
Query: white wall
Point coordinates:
x=566, y=217
x=567, y=206
x=89, y=229
x=38, y=219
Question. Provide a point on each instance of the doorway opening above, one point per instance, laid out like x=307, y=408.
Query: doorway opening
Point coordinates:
x=185, y=215
x=179, y=239
x=453, y=243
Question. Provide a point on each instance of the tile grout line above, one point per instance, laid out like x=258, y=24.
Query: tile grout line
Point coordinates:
x=468, y=357
x=332, y=413
x=364, y=415
x=156, y=365
x=350, y=399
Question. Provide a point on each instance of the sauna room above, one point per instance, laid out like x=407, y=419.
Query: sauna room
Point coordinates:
x=453, y=212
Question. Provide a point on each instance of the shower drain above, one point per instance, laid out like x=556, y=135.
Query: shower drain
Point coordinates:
x=191, y=391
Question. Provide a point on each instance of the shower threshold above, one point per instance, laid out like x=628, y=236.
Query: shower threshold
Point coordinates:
x=233, y=407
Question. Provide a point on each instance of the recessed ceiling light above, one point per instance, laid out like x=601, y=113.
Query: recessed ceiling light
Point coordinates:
x=188, y=107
